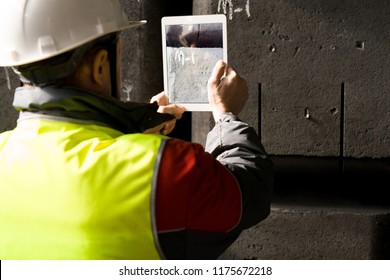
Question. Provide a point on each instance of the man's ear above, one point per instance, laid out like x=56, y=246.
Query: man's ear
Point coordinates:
x=101, y=67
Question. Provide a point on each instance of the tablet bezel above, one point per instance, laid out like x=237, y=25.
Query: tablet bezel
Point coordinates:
x=187, y=20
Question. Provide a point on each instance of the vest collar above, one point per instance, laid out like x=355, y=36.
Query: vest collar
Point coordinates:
x=76, y=103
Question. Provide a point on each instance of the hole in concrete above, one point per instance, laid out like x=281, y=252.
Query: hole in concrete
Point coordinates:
x=307, y=113
x=359, y=45
x=272, y=48
x=333, y=111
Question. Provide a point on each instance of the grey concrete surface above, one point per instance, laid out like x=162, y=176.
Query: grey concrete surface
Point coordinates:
x=318, y=74
x=305, y=233
x=8, y=83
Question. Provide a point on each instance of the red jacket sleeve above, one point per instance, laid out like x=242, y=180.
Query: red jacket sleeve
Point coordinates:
x=195, y=191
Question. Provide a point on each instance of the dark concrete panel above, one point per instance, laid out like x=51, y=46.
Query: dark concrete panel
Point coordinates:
x=321, y=181
x=142, y=73
x=142, y=69
x=292, y=233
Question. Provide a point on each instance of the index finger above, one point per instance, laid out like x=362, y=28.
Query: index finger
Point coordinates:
x=160, y=98
x=172, y=109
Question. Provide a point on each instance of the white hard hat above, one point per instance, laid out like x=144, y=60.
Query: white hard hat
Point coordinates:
x=34, y=30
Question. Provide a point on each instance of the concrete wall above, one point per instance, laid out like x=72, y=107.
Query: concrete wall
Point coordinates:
x=142, y=75
x=317, y=72
x=318, y=76
x=321, y=233
x=319, y=86
x=8, y=83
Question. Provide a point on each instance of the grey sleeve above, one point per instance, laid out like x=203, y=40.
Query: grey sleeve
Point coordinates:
x=237, y=146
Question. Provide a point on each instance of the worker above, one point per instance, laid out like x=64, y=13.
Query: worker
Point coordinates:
x=84, y=175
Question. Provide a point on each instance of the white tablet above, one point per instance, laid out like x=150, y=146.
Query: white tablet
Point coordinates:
x=191, y=47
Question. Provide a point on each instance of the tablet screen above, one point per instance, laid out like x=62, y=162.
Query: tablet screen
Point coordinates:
x=191, y=47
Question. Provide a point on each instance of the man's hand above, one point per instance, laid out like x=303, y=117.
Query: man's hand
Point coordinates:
x=175, y=110
x=227, y=91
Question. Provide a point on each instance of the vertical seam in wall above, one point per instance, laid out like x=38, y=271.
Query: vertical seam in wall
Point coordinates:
x=259, y=103
x=342, y=127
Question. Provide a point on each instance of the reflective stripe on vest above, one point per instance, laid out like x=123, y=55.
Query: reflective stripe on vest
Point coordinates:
x=71, y=191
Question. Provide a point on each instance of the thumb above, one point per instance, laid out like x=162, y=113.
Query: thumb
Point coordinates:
x=218, y=72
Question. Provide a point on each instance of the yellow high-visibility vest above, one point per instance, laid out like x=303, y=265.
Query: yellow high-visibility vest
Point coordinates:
x=77, y=191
